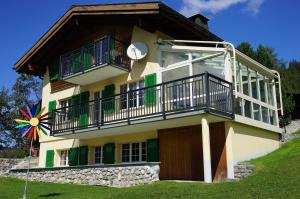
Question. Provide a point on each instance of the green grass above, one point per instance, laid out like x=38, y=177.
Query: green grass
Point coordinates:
x=277, y=175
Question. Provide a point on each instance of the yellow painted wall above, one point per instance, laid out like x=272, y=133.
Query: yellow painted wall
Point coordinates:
x=250, y=142
x=57, y=146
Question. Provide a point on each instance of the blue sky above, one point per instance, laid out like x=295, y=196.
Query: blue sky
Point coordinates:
x=274, y=23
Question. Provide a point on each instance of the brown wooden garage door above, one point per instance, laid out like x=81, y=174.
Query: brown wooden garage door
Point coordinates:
x=181, y=153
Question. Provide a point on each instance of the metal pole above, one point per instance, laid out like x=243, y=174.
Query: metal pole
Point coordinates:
x=27, y=173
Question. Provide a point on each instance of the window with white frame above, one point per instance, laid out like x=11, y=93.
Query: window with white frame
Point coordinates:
x=64, y=158
x=136, y=98
x=134, y=152
x=255, y=95
x=98, y=159
x=65, y=112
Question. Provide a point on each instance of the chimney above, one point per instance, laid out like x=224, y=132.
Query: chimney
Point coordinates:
x=200, y=20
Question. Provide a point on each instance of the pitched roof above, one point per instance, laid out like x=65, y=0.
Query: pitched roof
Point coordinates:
x=140, y=9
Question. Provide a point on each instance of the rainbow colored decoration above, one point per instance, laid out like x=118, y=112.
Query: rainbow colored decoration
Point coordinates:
x=35, y=123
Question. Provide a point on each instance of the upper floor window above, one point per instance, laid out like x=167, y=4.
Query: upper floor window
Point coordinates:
x=135, y=98
x=64, y=116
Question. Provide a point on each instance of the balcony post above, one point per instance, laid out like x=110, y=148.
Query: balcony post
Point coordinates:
x=99, y=113
x=128, y=113
x=232, y=101
x=163, y=101
x=207, y=92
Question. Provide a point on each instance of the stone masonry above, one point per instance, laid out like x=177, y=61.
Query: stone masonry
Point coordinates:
x=242, y=170
x=106, y=175
x=7, y=164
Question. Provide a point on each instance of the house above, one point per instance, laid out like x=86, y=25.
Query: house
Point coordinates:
x=139, y=84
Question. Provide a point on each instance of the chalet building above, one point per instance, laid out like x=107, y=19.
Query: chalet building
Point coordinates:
x=140, y=84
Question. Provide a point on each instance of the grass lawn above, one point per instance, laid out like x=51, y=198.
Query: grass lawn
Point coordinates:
x=277, y=175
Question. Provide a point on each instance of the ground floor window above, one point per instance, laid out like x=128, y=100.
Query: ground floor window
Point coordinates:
x=134, y=152
x=64, y=158
x=98, y=155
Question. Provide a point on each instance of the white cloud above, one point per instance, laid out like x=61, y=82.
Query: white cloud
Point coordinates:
x=191, y=7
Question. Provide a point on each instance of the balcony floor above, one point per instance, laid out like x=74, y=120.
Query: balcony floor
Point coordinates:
x=95, y=74
x=147, y=124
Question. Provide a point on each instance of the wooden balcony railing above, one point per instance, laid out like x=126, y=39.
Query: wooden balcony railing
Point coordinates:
x=199, y=92
x=102, y=52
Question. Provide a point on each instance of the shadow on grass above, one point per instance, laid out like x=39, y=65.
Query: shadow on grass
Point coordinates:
x=49, y=195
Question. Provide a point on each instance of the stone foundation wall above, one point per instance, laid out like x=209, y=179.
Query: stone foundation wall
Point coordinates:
x=7, y=164
x=242, y=170
x=114, y=175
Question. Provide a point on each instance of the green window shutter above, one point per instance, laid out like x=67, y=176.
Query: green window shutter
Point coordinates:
x=54, y=71
x=84, y=109
x=150, y=93
x=112, y=45
x=75, y=101
x=83, y=155
x=152, y=150
x=87, y=55
x=76, y=63
x=109, y=103
x=73, y=156
x=49, y=158
x=51, y=107
x=109, y=153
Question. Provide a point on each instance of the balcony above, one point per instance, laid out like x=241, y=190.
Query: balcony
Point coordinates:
x=202, y=93
x=93, y=62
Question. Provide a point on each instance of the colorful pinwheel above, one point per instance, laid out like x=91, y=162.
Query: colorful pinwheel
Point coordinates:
x=35, y=123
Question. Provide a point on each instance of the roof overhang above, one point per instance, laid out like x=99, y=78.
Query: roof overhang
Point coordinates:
x=173, y=19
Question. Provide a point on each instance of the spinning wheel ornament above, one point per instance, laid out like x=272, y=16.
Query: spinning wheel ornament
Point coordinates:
x=31, y=127
x=35, y=122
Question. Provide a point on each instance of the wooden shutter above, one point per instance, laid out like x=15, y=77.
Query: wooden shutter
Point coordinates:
x=87, y=55
x=83, y=155
x=108, y=104
x=109, y=153
x=75, y=101
x=49, y=158
x=54, y=71
x=51, y=107
x=152, y=150
x=77, y=64
x=112, y=45
x=84, y=109
x=73, y=156
x=150, y=93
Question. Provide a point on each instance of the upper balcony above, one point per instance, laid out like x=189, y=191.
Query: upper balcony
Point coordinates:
x=93, y=62
x=178, y=98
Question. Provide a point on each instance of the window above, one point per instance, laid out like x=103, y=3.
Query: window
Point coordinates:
x=98, y=155
x=134, y=152
x=136, y=98
x=253, y=80
x=169, y=58
x=64, y=158
x=65, y=112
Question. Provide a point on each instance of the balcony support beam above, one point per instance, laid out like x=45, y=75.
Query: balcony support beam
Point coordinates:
x=206, y=151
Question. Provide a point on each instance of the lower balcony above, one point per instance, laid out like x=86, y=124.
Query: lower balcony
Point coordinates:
x=202, y=93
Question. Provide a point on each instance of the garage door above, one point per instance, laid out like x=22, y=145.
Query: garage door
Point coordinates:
x=181, y=153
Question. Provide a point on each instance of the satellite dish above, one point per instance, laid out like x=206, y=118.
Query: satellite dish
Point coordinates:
x=137, y=50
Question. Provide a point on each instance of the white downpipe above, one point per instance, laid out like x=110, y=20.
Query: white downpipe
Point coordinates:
x=214, y=42
x=280, y=93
